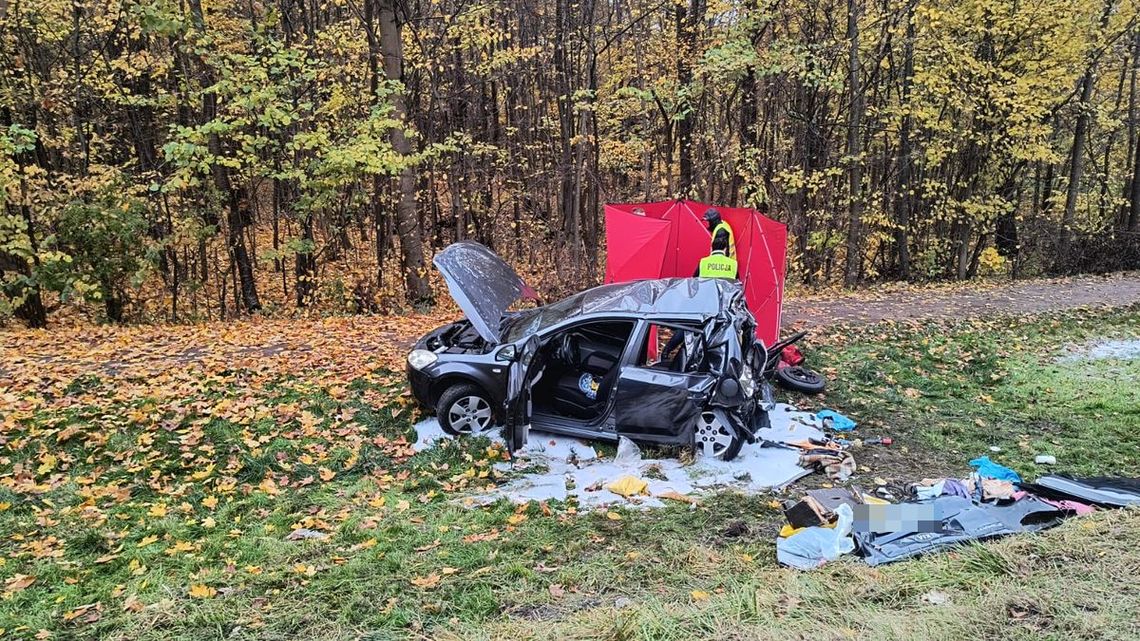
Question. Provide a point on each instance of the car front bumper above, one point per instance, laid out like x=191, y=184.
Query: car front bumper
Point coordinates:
x=420, y=383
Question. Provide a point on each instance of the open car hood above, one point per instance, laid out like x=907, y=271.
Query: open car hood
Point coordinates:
x=482, y=284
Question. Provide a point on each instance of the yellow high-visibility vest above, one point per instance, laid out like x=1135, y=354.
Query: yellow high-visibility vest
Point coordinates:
x=717, y=265
x=731, y=237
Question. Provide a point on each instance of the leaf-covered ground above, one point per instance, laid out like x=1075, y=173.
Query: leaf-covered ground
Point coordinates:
x=254, y=481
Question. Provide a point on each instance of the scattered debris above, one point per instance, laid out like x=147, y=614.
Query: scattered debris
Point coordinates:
x=305, y=534
x=834, y=421
x=944, y=513
x=990, y=470
x=928, y=526
x=819, y=506
x=933, y=488
x=1105, y=491
x=560, y=467
x=628, y=486
x=811, y=547
x=934, y=597
x=1045, y=459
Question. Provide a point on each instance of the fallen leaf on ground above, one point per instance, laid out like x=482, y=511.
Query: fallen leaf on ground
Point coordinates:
x=202, y=591
x=18, y=582
x=674, y=495
x=132, y=604
x=426, y=582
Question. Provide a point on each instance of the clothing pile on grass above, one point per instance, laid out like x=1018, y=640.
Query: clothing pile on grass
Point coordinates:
x=939, y=513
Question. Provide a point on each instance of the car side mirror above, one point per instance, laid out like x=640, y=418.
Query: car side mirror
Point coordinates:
x=507, y=354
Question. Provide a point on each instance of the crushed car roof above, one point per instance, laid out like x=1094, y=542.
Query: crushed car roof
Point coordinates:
x=704, y=297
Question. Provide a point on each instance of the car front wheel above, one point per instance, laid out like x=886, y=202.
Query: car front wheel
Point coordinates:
x=464, y=409
x=716, y=437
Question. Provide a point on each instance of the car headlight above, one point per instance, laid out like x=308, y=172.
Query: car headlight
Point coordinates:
x=747, y=382
x=421, y=358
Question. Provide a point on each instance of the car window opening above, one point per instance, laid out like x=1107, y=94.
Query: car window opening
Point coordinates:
x=582, y=365
x=674, y=348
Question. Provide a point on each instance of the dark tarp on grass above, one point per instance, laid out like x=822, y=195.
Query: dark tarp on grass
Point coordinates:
x=1107, y=491
x=961, y=520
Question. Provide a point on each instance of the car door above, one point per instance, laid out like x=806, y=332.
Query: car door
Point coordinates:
x=522, y=373
x=652, y=402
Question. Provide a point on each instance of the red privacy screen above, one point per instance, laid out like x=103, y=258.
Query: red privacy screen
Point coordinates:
x=668, y=239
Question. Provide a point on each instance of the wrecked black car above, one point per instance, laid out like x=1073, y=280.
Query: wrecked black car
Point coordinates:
x=670, y=361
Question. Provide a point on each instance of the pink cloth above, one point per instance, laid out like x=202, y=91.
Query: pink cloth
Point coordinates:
x=1080, y=509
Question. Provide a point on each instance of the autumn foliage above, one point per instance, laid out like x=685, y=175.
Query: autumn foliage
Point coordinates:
x=206, y=159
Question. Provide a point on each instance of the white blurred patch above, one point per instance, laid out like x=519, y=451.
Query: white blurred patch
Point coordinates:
x=1103, y=350
x=572, y=467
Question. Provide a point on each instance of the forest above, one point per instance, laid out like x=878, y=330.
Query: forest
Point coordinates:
x=186, y=160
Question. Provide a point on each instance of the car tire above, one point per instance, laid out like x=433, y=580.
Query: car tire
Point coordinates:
x=801, y=379
x=464, y=409
x=716, y=436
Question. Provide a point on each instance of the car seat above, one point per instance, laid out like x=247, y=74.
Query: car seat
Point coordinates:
x=569, y=399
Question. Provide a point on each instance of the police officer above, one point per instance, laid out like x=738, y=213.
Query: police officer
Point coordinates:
x=720, y=229
x=715, y=265
x=718, y=264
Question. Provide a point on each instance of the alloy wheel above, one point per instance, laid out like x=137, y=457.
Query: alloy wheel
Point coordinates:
x=470, y=414
x=713, y=437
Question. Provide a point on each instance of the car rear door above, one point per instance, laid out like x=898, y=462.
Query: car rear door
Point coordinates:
x=652, y=402
x=517, y=411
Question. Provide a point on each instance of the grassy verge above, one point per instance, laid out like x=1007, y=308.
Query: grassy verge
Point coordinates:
x=133, y=510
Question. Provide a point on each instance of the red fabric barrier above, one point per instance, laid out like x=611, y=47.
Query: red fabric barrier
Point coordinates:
x=668, y=239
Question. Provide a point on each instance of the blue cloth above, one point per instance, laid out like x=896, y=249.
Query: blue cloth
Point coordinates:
x=839, y=422
x=589, y=386
x=990, y=470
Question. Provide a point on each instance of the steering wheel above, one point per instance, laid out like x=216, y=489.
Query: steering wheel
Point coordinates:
x=569, y=351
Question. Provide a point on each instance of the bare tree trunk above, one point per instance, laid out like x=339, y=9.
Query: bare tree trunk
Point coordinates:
x=1077, y=158
x=903, y=196
x=407, y=223
x=687, y=22
x=1132, y=222
x=236, y=220
x=1134, y=204
x=854, y=149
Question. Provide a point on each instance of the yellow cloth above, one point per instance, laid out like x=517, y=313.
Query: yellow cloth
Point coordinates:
x=789, y=530
x=628, y=486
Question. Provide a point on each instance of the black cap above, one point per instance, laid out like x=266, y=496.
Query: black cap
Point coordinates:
x=711, y=213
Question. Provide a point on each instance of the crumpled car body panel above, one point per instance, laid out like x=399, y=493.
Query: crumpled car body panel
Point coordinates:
x=660, y=406
x=482, y=285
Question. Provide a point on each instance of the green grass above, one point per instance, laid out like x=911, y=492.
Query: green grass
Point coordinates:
x=949, y=391
x=404, y=558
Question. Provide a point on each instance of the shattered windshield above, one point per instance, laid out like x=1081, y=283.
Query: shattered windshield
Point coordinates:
x=532, y=321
